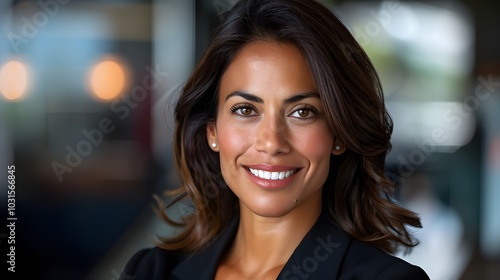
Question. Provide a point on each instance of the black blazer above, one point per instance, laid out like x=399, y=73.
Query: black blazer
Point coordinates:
x=326, y=252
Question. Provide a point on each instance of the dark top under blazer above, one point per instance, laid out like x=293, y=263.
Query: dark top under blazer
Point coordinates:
x=326, y=252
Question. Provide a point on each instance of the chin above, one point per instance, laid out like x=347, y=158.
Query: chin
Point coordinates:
x=271, y=209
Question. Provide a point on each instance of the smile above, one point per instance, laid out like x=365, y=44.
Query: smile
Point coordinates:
x=271, y=175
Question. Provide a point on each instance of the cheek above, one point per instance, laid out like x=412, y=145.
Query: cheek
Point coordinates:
x=317, y=144
x=233, y=141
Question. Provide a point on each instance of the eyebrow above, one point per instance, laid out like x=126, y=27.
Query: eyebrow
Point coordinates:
x=245, y=95
x=251, y=97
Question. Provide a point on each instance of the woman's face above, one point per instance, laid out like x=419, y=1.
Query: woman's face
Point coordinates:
x=271, y=133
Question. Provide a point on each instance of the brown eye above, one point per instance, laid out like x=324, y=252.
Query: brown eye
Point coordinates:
x=303, y=113
x=245, y=111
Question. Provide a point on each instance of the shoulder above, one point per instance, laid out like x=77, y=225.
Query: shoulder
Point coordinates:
x=364, y=261
x=151, y=263
x=156, y=263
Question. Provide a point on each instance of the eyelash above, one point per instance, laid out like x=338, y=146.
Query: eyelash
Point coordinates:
x=309, y=108
x=234, y=109
x=237, y=107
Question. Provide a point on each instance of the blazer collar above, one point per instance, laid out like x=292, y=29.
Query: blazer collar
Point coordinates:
x=203, y=265
x=319, y=254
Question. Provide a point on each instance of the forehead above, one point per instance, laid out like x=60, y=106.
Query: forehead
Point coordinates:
x=260, y=65
x=261, y=52
x=268, y=50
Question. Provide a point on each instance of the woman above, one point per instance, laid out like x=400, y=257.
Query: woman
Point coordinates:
x=281, y=137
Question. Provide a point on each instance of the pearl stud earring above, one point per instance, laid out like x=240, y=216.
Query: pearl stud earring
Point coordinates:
x=337, y=148
x=214, y=145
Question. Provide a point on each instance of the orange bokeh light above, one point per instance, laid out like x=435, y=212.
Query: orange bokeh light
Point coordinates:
x=13, y=80
x=108, y=79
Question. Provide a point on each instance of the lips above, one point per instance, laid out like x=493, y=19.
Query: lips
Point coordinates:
x=271, y=175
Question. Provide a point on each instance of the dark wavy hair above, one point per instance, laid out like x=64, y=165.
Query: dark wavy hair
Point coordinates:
x=357, y=195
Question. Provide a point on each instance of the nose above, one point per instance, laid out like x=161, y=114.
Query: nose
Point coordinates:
x=272, y=137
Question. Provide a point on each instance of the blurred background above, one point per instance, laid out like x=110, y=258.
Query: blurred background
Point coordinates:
x=86, y=118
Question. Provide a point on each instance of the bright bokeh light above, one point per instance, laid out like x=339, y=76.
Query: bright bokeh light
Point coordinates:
x=13, y=80
x=108, y=79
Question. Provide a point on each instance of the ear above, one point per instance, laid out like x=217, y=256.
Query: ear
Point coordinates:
x=212, y=139
x=338, y=148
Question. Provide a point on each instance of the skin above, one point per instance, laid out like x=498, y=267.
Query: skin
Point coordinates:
x=270, y=114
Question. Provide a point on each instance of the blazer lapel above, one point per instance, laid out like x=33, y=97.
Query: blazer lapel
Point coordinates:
x=202, y=265
x=319, y=255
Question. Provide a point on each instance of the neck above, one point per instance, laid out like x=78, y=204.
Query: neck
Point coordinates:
x=264, y=243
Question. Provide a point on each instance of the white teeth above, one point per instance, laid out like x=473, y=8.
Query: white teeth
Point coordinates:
x=271, y=175
x=254, y=172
